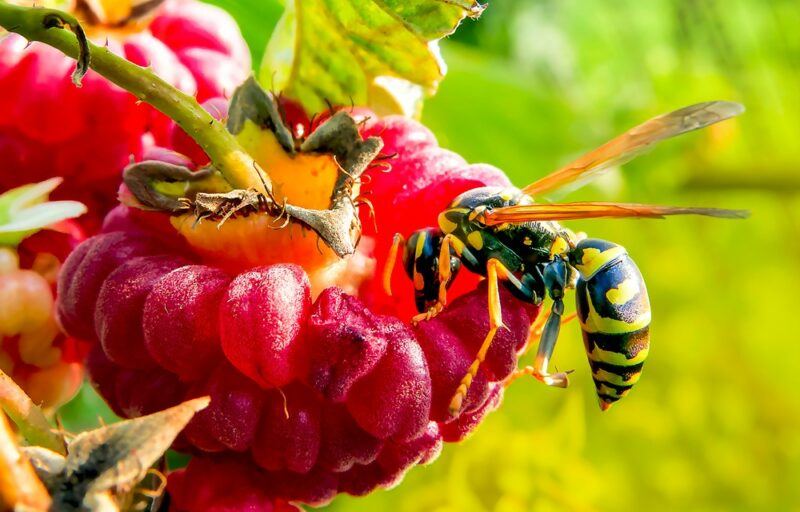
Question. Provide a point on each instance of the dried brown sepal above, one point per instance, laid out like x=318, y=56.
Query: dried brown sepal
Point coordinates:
x=338, y=226
x=138, y=11
x=223, y=206
x=103, y=466
x=143, y=180
x=49, y=465
x=251, y=102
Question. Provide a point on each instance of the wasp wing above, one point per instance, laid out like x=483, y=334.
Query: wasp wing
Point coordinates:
x=633, y=142
x=592, y=210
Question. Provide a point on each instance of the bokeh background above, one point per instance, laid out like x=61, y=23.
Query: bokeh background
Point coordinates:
x=715, y=422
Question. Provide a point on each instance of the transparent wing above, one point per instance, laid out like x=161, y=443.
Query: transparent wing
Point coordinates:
x=633, y=142
x=591, y=210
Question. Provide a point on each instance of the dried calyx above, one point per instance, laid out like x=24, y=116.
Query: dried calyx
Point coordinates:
x=334, y=155
x=115, y=13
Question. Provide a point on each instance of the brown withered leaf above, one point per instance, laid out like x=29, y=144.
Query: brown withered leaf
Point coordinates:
x=111, y=460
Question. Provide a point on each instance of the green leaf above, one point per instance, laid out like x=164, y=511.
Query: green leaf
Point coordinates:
x=25, y=210
x=379, y=53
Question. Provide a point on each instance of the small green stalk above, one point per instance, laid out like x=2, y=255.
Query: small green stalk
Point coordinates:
x=48, y=26
x=28, y=417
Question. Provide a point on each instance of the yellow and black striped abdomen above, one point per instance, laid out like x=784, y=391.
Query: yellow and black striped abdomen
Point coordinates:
x=614, y=312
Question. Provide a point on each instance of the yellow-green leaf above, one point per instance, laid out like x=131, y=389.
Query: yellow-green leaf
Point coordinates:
x=26, y=210
x=379, y=53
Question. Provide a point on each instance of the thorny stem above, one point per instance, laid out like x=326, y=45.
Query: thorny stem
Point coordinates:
x=48, y=26
x=28, y=416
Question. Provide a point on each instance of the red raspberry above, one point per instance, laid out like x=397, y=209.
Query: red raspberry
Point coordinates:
x=51, y=128
x=314, y=390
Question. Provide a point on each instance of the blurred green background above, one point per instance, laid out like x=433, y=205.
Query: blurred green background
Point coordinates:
x=715, y=422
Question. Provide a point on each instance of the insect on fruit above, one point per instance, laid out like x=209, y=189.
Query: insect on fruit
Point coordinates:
x=503, y=235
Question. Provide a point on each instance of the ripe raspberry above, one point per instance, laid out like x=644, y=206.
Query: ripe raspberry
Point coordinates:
x=88, y=135
x=314, y=390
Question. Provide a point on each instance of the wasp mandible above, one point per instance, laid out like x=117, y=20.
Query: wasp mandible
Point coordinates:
x=503, y=235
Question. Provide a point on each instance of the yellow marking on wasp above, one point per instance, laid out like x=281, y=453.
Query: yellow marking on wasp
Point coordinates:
x=420, y=245
x=623, y=293
x=475, y=239
x=596, y=323
x=507, y=194
x=445, y=224
x=527, y=241
x=457, y=244
x=613, y=378
x=606, y=356
x=605, y=390
x=560, y=246
x=419, y=281
x=593, y=259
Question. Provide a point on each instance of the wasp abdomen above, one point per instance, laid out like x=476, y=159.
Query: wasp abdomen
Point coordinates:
x=614, y=312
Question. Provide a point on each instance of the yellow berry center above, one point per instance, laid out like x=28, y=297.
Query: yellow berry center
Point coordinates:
x=305, y=180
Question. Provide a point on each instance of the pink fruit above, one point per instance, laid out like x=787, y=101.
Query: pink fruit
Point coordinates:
x=314, y=390
x=88, y=135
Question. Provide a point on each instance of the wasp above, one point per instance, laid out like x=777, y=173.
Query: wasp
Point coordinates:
x=504, y=236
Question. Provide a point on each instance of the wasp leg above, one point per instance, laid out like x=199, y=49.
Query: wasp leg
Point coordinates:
x=495, y=270
x=536, y=330
x=432, y=312
x=444, y=267
x=544, y=353
x=390, y=263
x=556, y=279
x=445, y=274
x=537, y=327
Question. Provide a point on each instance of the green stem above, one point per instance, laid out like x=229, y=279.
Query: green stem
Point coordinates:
x=47, y=26
x=28, y=417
